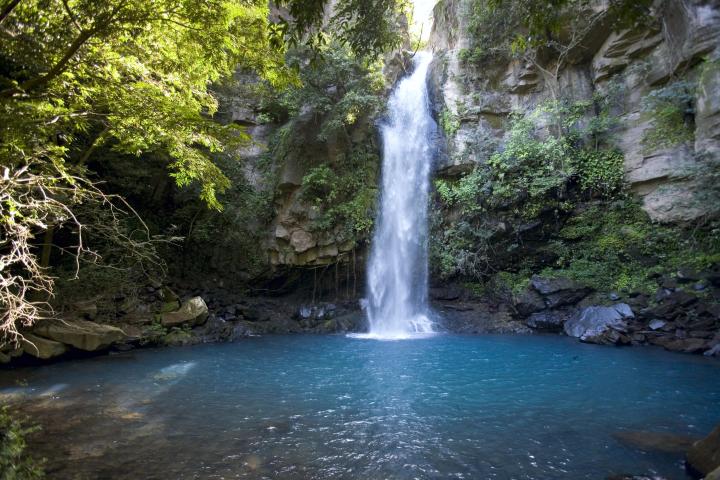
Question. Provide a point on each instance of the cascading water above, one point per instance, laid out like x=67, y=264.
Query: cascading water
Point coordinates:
x=398, y=270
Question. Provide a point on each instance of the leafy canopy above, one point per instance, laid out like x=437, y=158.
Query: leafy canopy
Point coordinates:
x=130, y=74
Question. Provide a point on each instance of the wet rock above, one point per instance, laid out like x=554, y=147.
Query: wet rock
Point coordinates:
x=713, y=351
x=687, y=275
x=681, y=298
x=714, y=475
x=655, y=441
x=547, y=286
x=352, y=322
x=684, y=345
x=444, y=293
x=215, y=330
x=704, y=456
x=528, y=301
x=41, y=347
x=81, y=334
x=192, y=312
x=550, y=321
x=242, y=330
x=656, y=324
x=178, y=337
x=558, y=292
x=603, y=325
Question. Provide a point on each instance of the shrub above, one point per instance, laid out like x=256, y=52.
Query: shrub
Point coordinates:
x=15, y=463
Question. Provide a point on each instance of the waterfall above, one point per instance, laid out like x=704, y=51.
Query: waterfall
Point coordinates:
x=397, y=304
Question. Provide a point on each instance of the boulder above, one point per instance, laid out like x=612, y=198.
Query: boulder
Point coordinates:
x=714, y=351
x=704, y=456
x=656, y=324
x=714, y=475
x=558, y=292
x=527, y=302
x=684, y=345
x=352, y=322
x=192, y=312
x=548, y=321
x=599, y=324
x=8, y=352
x=41, y=347
x=547, y=286
x=81, y=334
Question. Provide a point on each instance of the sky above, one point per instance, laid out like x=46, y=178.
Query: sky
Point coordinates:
x=422, y=15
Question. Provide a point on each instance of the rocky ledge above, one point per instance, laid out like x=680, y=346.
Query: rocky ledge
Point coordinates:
x=158, y=316
x=683, y=315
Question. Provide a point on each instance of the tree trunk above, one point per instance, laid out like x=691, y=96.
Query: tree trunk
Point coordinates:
x=47, y=247
x=7, y=9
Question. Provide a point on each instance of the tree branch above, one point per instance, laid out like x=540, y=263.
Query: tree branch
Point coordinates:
x=59, y=67
x=7, y=9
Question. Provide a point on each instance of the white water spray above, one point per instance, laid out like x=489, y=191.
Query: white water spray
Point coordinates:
x=398, y=270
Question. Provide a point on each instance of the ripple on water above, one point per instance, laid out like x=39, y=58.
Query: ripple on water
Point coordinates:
x=338, y=408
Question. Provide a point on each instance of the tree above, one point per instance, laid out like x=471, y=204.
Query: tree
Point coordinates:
x=82, y=76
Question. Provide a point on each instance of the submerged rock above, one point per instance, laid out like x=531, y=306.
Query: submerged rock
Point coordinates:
x=704, y=456
x=655, y=441
x=81, y=334
x=635, y=477
x=603, y=325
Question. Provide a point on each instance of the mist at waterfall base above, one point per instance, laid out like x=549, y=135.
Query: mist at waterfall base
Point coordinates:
x=397, y=305
x=332, y=407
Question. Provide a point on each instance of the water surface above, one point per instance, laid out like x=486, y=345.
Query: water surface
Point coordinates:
x=331, y=407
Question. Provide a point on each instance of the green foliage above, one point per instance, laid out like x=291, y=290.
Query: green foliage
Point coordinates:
x=132, y=75
x=616, y=246
x=337, y=102
x=540, y=174
x=600, y=170
x=367, y=27
x=532, y=172
x=671, y=109
x=345, y=192
x=514, y=282
x=340, y=90
x=15, y=463
x=449, y=122
x=503, y=28
x=492, y=28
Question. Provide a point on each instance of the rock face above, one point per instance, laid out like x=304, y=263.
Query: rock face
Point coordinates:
x=704, y=456
x=638, y=61
x=192, y=312
x=600, y=324
x=81, y=334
